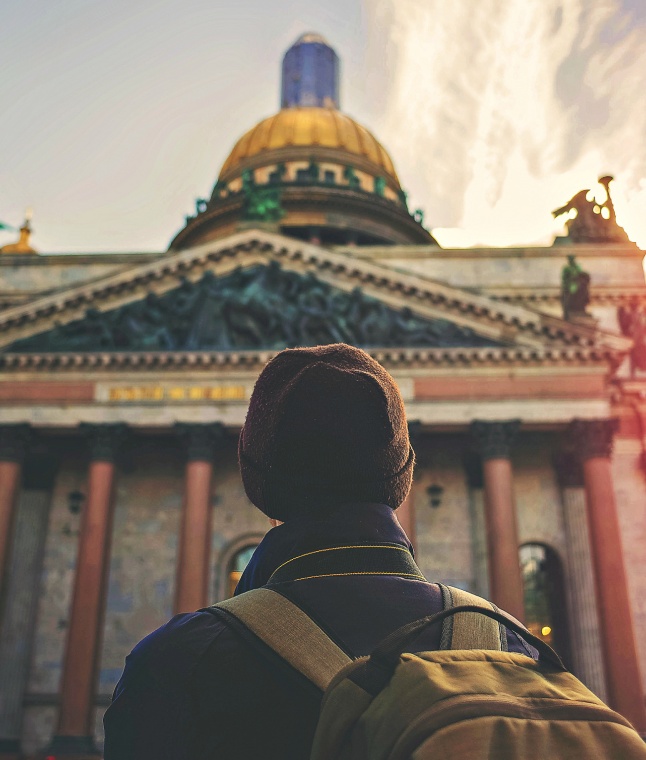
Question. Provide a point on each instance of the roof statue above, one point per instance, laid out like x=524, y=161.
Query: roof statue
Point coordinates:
x=261, y=204
x=575, y=289
x=589, y=221
x=632, y=322
x=22, y=245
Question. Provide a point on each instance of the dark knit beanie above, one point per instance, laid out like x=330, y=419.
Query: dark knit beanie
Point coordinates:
x=326, y=426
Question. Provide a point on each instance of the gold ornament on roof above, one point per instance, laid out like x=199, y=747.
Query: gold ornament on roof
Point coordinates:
x=22, y=245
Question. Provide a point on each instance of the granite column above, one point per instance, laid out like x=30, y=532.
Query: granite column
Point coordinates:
x=593, y=439
x=495, y=440
x=74, y=737
x=14, y=440
x=192, y=579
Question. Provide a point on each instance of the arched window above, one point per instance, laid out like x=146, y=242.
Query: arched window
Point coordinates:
x=545, y=610
x=237, y=564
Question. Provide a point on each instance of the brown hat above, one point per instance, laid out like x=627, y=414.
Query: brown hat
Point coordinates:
x=325, y=426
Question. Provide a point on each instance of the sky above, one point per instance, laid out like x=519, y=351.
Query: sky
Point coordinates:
x=116, y=115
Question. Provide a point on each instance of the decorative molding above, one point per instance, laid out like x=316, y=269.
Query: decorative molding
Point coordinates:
x=202, y=440
x=104, y=440
x=14, y=441
x=592, y=438
x=253, y=360
x=599, y=295
x=494, y=439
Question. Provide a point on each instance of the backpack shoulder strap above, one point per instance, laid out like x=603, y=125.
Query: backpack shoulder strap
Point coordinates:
x=468, y=630
x=289, y=632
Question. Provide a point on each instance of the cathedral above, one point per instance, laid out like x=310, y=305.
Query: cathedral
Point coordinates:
x=124, y=380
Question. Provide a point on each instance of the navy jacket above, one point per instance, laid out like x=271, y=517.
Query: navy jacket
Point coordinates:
x=195, y=690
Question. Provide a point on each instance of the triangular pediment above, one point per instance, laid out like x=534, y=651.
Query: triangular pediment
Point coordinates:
x=254, y=308
x=258, y=290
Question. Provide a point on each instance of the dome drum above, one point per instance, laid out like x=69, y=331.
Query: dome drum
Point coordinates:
x=338, y=215
x=311, y=170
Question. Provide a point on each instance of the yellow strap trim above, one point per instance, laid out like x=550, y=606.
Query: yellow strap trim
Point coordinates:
x=337, y=548
x=367, y=572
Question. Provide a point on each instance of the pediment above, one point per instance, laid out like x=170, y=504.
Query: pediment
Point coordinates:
x=262, y=307
x=258, y=290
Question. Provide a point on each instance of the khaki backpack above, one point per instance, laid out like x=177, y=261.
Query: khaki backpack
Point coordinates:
x=469, y=700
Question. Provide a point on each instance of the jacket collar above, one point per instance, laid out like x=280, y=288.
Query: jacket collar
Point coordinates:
x=353, y=523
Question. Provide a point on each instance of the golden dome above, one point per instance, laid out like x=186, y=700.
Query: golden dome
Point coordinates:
x=299, y=127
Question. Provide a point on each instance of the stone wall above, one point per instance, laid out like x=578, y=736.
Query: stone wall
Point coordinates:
x=444, y=533
x=23, y=274
x=507, y=268
x=538, y=500
x=236, y=522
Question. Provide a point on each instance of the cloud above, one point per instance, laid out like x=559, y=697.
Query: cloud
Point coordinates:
x=496, y=113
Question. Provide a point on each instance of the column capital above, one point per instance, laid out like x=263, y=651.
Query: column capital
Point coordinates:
x=200, y=440
x=105, y=439
x=592, y=438
x=14, y=441
x=494, y=438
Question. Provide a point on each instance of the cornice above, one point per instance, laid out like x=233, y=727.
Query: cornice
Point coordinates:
x=100, y=257
x=600, y=295
x=511, y=324
x=581, y=251
x=254, y=360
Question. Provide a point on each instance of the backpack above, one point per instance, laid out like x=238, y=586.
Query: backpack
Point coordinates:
x=469, y=700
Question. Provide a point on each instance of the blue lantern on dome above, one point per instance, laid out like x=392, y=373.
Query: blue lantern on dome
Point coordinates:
x=310, y=74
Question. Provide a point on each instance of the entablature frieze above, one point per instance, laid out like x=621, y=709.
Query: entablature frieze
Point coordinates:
x=537, y=414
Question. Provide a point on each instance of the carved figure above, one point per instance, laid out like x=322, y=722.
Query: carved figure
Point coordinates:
x=350, y=175
x=313, y=171
x=575, y=288
x=144, y=326
x=592, y=222
x=632, y=322
x=258, y=307
x=260, y=203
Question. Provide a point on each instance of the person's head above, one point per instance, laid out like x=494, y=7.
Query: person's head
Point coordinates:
x=326, y=426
